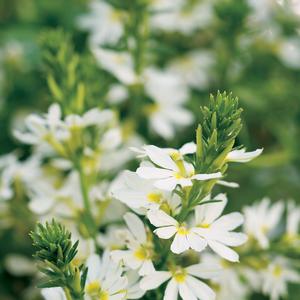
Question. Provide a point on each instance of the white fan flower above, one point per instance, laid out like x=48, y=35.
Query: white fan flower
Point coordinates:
x=42, y=128
x=293, y=220
x=182, y=18
x=104, y=280
x=140, y=249
x=120, y=64
x=169, y=93
x=229, y=283
x=261, y=219
x=193, y=68
x=183, y=281
x=103, y=22
x=171, y=173
x=242, y=156
x=140, y=195
x=216, y=230
x=276, y=277
x=184, y=237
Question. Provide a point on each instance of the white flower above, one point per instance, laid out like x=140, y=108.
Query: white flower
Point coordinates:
x=193, y=68
x=188, y=148
x=120, y=64
x=139, y=253
x=103, y=22
x=140, y=195
x=53, y=293
x=276, y=278
x=170, y=173
x=169, y=93
x=289, y=52
x=104, y=280
x=133, y=289
x=183, y=19
x=261, y=219
x=229, y=284
x=183, y=281
x=293, y=219
x=216, y=230
x=42, y=128
x=184, y=237
x=242, y=156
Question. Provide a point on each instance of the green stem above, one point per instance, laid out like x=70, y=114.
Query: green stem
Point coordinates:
x=92, y=228
x=67, y=293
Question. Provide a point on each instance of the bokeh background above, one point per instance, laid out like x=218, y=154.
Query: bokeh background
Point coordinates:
x=250, y=48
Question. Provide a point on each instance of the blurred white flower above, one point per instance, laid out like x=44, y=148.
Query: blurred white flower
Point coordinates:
x=120, y=64
x=170, y=173
x=104, y=279
x=103, y=22
x=293, y=219
x=229, y=283
x=183, y=18
x=19, y=265
x=216, y=230
x=140, y=249
x=193, y=68
x=289, y=52
x=183, y=281
x=261, y=219
x=276, y=277
x=169, y=93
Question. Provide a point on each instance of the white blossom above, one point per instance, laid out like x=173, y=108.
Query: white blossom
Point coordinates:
x=140, y=249
x=261, y=219
x=103, y=22
x=169, y=173
x=183, y=281
x=216, y=230
x=104, y=279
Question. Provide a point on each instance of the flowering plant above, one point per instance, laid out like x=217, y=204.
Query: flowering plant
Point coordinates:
x=129, y=182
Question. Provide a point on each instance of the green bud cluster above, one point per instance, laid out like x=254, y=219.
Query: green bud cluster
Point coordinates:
x=55, y=251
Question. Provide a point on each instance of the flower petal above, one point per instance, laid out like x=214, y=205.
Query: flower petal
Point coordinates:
x=179, y=244
x=168, y=184
x=196, y=242
x=160, y=157
x=159, y=218
x=224, y=251
x=171, y=291
x=200, y=289
x=154, y=280
x=136, y=226
x=165, y=232
x=204, y=270
x=207, y=176
x=229, y=221
x=185, y=292
x=153, y=173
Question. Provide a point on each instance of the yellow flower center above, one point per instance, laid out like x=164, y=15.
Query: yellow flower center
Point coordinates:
x=93, y=288
x=115, y=16
x=180, y=276
x=141, y=254
x=182, y=230
x=154, y=197
x=277, y=271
